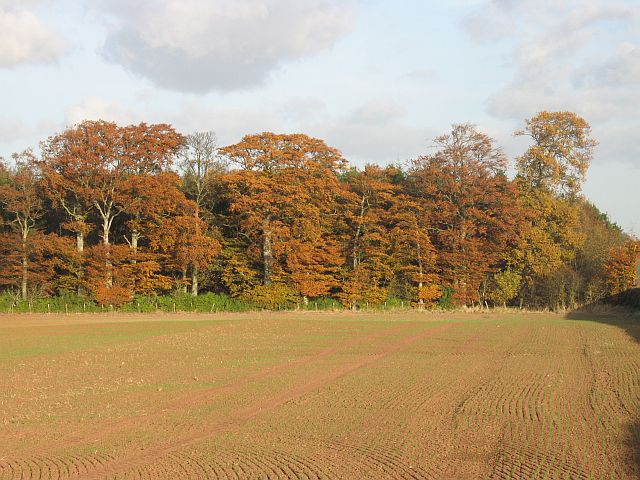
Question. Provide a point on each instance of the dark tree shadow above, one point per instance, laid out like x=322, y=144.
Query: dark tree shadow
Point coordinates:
x=622, y=311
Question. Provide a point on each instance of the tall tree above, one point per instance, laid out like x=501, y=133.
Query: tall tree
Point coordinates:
x=621, y=269
x=413, y=254
x=90, y=166
x=200, y=165
x=549, y=178
x=281, y=180
x=23, y=203
x=560, y=154
x=370, y=265
x=472, y=204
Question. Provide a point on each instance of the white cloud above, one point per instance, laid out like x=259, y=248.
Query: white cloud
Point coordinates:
x=12, y=130
x=25, y=39
x=229, y=123
x=618, y=202
x=203, y=45
x=421, y=75
x=377, y=132
x=621, y=69
x=377, y=113
x=94, y=108
x=575, y=55
x=302, y=109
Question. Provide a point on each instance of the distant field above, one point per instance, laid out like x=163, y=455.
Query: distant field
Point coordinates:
x=315, y=396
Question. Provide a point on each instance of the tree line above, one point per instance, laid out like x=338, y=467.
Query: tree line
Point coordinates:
x=109, y=212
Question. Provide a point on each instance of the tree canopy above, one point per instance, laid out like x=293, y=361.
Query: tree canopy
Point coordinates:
x=109, y=212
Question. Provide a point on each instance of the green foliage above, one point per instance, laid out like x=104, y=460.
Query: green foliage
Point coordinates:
x=323, y=303
x=208, y=302
x=10, y=302
x=446, y=301
x=504, y=286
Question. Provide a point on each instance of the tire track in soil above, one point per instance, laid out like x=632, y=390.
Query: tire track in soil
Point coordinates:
x=188, y=400
x=114, y=466
x=202, y=396
x=256, y=463
x=385, y=461
x=419, y=398
x=528, y=452
x=46, y=468
x=517, y=461
x=414, y=397
x=610, y=399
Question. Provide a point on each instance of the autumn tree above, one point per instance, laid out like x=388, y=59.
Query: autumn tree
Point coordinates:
x=201, y=166
x=89, y=167
x=370, y=262
x=472, y=204
x=23, y=204
x=600, y=235
x=621, y=268
x=412, y=252
x=561, y=151
x=549, y=178
x=282, y=192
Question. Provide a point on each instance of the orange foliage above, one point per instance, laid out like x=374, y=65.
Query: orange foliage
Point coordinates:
x=114, y=296
x=622, y=266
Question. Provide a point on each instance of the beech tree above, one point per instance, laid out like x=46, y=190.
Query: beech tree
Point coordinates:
x=200, y=165
x=23, y=204
x=277, y=219
x=549, y=178
x=88, y=168
x=282, y=179
x=472, y=205
x=621, y=269
x=370, y=266
x=412, y=252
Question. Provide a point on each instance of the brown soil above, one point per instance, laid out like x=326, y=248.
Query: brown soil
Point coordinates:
x=319, y=396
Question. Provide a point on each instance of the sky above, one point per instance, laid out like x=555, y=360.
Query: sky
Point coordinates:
x=377, y=79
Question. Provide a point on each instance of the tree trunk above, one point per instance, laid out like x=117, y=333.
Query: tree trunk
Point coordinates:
x=184, y=280
x=25, y=267
x=106, y=227
x=80, y=250
x=356, y=237
x=106, y=210
x=194, y=281
x=420, y=273
x=80, y=242
x=267, y=252
x=135, y=236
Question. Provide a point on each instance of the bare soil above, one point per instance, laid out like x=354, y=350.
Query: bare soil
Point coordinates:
x=319, y=396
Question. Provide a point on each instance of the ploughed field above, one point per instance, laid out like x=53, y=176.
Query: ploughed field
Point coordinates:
x=314, y=396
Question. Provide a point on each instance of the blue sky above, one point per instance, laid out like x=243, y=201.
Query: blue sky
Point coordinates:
x=376, y=79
